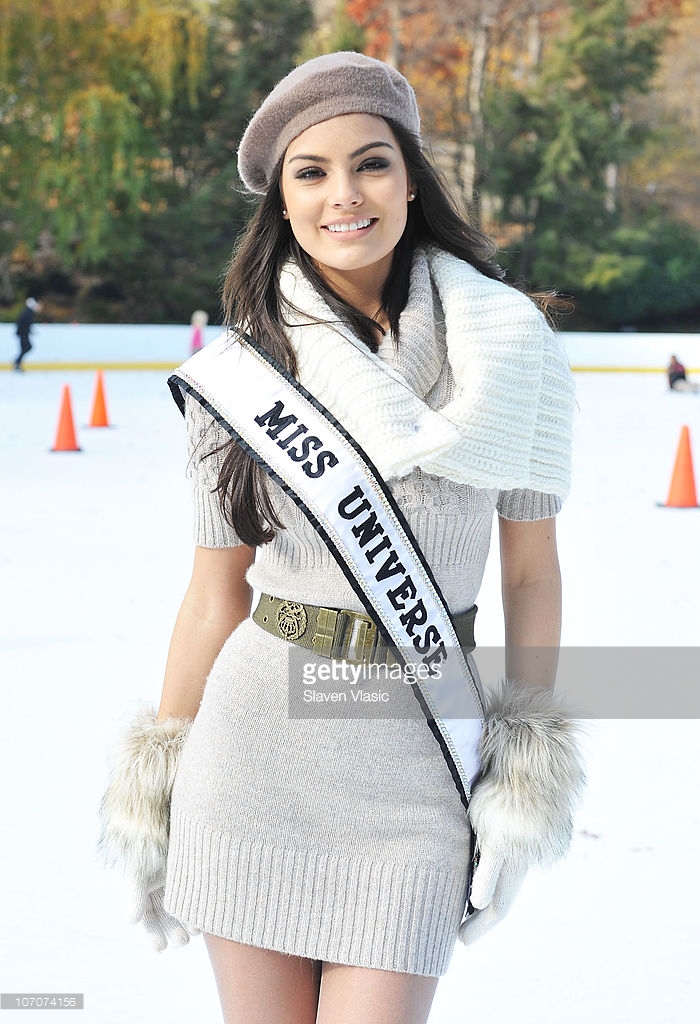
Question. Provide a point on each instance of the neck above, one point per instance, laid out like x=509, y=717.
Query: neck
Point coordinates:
x=361, y=289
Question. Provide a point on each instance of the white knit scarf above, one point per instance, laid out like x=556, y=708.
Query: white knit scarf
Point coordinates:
x=509, y=423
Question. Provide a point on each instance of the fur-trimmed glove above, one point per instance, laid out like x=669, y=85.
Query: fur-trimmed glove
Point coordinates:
x=135, y=814
x=522, y=804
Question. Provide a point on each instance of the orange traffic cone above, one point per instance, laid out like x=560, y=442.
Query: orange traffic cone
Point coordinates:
x=98, y=416
x=65, y=433
x=682, y=492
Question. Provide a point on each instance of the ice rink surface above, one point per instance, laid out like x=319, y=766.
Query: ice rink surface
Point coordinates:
x=95, y=554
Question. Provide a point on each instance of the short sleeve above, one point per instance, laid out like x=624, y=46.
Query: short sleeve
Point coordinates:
x=204, y=437
x=524, y=505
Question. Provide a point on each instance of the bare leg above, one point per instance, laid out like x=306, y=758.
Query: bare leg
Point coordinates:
x=360, y=995
x=260, y=986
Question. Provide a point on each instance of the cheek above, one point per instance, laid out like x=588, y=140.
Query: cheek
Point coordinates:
x=400, y=217
x=300, y=208
x=302, y=227
x=396, y=203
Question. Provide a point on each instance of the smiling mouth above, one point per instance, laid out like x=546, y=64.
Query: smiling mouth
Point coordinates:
x=344, y=229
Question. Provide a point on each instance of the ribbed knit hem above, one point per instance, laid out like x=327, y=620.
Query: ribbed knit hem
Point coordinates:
x=392, y=917
x=524, y=505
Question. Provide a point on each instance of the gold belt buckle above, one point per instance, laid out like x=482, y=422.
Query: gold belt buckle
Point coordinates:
x=326, y=622
x=356, y=637
x=344, y=635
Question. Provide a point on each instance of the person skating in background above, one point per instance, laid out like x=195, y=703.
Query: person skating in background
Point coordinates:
x=677, y=378
x=23, y=329
x=199, y=321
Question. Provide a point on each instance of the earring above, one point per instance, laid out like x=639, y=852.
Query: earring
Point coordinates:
x=411, y=196
x=284, y=213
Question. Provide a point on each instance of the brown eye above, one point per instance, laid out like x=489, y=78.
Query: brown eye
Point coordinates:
x=308, y=173
x=375, y=164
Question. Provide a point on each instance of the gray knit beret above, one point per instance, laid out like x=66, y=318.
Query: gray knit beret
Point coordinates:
x=325, y=87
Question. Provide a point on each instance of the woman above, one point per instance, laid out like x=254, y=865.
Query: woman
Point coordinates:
x=325, y=857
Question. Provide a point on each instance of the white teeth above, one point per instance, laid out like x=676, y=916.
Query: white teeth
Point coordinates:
x=356, y=226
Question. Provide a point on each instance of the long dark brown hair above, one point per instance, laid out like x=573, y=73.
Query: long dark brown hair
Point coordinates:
x=252, y=299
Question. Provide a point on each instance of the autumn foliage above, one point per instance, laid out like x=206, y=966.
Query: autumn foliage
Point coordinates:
x=569, y=130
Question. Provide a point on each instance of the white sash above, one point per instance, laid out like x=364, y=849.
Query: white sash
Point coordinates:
x=305, y=450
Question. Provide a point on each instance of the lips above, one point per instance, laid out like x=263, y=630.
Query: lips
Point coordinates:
x=346, y=227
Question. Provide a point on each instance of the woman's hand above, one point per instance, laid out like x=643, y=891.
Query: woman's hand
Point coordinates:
x=531, y=770
x=522, y=805
x=135, y=814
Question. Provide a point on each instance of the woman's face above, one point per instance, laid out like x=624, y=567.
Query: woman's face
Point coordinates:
x=345, y=190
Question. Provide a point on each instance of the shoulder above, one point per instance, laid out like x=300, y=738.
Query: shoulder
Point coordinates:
x=198, y=420
x=484, y=313
x=484, y=295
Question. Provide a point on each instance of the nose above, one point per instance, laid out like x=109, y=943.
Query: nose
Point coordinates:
x=344, y=192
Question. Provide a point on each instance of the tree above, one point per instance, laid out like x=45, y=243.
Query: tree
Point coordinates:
x=188, y=241
x=554, y=149
x=667, y=172
x=120, y=124
x=646, y=275
x=451, y=52
x=81, y=86
x=334, y=30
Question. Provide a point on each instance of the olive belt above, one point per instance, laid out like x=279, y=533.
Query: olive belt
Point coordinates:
x=339, y=633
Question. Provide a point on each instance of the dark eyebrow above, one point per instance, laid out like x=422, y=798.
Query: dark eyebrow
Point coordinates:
x=370, y=145
x=353, y=156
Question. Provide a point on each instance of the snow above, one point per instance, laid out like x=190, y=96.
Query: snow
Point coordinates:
x=95, y=554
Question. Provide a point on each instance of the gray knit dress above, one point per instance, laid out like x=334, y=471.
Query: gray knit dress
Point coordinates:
x=335, y=838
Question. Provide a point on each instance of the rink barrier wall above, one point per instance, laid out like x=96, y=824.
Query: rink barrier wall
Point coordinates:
x=37, y=365
x=163, y=347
